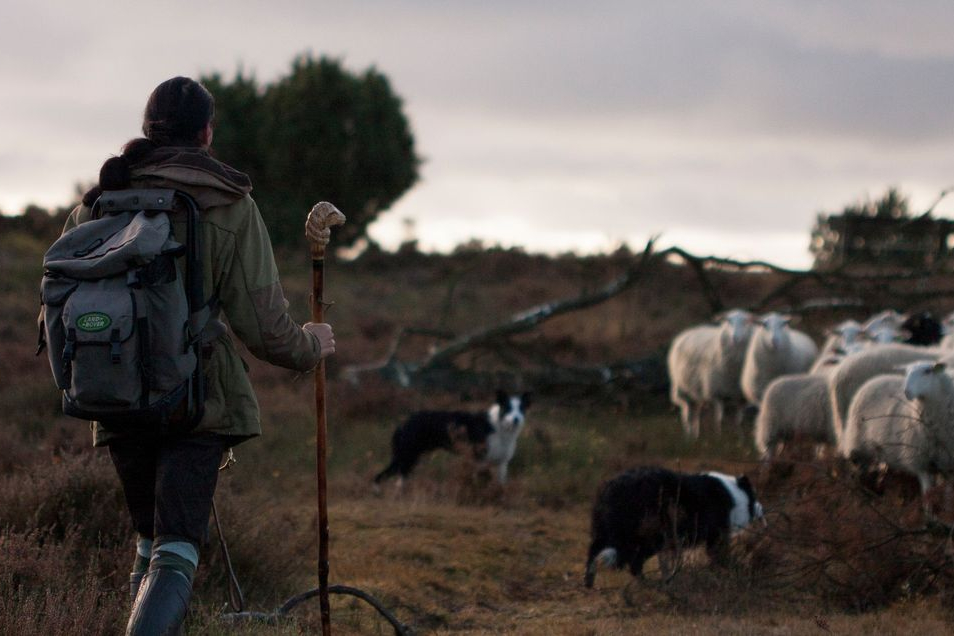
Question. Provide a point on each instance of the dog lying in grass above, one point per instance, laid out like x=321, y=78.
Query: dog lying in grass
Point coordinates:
x=491, y=435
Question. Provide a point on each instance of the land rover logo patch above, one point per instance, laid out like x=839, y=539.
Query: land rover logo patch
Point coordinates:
x=93, y=321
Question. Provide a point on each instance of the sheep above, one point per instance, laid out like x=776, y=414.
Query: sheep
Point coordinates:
x=879, y=359
x=774, y=349
x=794, y=407
x=704, y=366
x=843, y=338
x=798, y=406
x=921, y=329
x=884, y=326
x=904, y=423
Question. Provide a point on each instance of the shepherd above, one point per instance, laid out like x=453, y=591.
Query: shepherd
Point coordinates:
x=168, y=478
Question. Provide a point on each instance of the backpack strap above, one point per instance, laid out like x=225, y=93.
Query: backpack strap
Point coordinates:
x=199, y=310
x=112, y=201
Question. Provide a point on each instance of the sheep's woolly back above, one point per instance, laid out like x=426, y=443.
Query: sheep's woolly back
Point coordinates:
x=794, y=406
x=858, y=368
x=763, y=363
x=910, y=436
x=879, y=414
x=691, y=351
x=703, y=365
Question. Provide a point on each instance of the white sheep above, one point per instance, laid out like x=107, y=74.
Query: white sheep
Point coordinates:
x=794, y=407
x=704, y=367
x=904, y=422
x=878, y=359
x=843, y=338
x=774, y=349
x=884, y=327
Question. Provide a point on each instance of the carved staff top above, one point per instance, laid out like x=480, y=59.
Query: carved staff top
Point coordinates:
x=318, y=226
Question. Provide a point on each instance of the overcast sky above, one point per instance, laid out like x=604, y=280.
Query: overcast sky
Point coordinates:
x=723, y=125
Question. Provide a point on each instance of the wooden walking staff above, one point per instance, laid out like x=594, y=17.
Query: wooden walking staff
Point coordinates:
x=322, y=217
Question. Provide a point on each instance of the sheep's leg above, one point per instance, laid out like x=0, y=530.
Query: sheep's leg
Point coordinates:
x=685, y=413
x=696, y=421
x=718, y=413
x=740, y=417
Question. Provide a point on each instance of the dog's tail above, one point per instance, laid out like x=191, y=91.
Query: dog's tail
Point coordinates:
x=391, y=470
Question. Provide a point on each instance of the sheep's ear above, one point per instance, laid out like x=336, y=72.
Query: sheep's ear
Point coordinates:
x=939, y=367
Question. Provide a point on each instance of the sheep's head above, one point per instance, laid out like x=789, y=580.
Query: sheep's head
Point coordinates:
x=884, y=326
x=848, y=331
x=736, y=326
x=924, y=378
x=774, y=326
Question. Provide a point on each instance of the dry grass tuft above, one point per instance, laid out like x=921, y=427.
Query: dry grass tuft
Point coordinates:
x=831, y=539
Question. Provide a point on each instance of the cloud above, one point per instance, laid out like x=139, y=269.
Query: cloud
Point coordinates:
x=734, y=117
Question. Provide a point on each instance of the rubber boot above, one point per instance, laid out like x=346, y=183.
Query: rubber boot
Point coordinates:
x=135, y=581
x=161, y=604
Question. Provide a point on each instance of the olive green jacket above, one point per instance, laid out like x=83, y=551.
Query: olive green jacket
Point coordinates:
x=241, y=275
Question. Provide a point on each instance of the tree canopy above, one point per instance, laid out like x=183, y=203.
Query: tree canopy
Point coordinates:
x=319, y=133
x=892, y=205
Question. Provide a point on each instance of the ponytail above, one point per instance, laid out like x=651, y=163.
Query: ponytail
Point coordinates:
x=177, y=112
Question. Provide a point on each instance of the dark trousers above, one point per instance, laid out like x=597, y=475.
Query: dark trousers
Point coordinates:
x=168, y=484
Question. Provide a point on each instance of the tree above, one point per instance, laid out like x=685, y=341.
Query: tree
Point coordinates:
x=893, y=205
x=320, y=133
x=238, y=122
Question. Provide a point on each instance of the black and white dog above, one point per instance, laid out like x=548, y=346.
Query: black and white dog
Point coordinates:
x=646, y=510
x=491, y=434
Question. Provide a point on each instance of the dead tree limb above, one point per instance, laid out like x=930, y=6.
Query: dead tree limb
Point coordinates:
x=839, y=290
x=532, y=318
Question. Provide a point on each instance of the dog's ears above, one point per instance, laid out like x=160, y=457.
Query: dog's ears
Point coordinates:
x=502, y=398
x=744, y=483
x=525, y=400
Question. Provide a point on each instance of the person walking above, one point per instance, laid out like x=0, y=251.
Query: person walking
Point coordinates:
x=168, y=480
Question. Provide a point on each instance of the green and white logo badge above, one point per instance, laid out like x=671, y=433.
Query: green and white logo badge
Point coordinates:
x=93, y=321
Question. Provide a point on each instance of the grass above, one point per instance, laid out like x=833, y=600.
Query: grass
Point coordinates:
x=453, y=553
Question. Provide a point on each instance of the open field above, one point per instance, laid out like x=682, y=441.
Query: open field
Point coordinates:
x=454, y=553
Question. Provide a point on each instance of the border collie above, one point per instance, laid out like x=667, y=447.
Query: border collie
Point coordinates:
x=492, y=435
x=645, y=510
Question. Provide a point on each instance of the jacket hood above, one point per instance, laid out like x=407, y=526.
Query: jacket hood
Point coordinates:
x=209, y=181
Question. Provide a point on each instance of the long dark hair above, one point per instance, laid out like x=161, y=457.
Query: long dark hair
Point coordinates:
x=177, y=111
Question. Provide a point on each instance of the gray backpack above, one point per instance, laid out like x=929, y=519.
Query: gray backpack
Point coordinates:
x=122, y=323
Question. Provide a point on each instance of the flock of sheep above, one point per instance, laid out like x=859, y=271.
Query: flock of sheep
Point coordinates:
x=879, y=392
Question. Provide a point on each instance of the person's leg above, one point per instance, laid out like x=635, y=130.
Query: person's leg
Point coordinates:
x=186, y=474
x=135, y=462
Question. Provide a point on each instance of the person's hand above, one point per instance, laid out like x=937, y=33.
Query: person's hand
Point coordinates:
x=325, y=335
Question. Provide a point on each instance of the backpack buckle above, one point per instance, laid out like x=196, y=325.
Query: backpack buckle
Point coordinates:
x=114, y=350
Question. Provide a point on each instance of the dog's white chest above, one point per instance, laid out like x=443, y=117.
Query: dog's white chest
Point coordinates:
x=501, y=445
